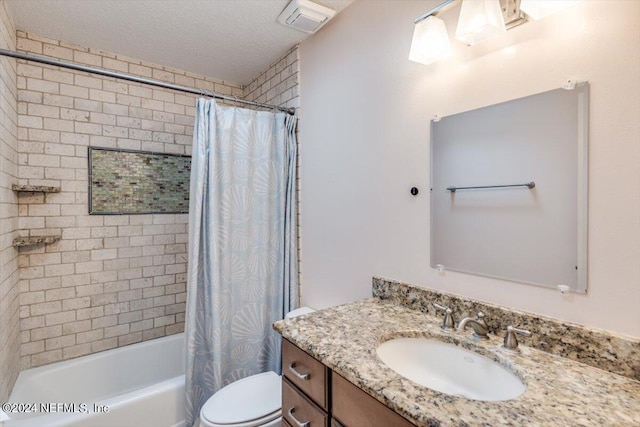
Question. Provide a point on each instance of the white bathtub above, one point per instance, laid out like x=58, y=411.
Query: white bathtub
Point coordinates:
x=140, y=384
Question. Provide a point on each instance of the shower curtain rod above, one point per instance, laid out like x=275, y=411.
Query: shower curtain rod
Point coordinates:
x=131, y=78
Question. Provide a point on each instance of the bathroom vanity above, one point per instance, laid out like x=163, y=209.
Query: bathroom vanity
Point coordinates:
x=332, y=374
x=308, y=386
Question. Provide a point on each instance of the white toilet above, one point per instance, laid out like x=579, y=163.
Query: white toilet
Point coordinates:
x=255, y=401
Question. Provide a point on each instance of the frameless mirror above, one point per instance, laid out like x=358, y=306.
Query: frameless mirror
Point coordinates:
x=509, y=190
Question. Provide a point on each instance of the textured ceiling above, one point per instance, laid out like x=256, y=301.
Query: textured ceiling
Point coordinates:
x=232, y=40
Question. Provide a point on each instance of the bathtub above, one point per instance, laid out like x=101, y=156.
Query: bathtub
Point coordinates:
x=137, y=385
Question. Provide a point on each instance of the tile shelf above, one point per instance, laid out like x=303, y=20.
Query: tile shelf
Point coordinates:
x=35, y=188
x=23, y=241
x=34, y=240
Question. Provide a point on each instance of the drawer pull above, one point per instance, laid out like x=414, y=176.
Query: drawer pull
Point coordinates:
x=295, y=420
x=292, y=368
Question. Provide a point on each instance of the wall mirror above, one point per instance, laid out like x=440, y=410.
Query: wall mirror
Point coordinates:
x=509, y=190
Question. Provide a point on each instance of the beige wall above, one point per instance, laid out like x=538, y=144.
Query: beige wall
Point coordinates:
x=9, y=337
x=366, y=143
x=111, y=280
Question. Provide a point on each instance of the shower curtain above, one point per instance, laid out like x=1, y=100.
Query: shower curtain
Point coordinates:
x=242, y=273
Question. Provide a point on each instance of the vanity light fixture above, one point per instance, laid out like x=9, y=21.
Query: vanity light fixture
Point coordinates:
x=430, y=32
x=537, y=9
x=479, y=20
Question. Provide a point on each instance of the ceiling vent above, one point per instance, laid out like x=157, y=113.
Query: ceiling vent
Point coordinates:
x=305, y=16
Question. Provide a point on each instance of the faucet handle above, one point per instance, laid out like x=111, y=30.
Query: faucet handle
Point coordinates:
x=480, y=319
x=510, y=340
x=448, y=322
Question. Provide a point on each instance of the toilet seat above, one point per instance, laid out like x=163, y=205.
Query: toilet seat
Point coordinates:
x=249, y=402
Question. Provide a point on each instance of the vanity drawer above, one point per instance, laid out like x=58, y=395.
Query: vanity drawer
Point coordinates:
x=355, y=408
x=306, y=373
x=297, y=410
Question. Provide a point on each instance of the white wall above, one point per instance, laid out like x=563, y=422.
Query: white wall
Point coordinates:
x=365, y=141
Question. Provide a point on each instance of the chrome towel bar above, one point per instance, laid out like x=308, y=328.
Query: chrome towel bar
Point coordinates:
x=529, y=185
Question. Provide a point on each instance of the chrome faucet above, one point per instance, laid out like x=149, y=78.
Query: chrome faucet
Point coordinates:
x=510, y=340
x=479, y=326
x=448, y=322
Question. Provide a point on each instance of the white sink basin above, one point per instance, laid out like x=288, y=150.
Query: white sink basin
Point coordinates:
x=450, y=369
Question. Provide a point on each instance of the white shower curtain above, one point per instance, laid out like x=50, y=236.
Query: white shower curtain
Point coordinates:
x=242, y=273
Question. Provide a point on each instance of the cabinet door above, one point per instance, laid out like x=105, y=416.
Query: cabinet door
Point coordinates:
x=298, y=411
x=355, y=408
x=306, y=373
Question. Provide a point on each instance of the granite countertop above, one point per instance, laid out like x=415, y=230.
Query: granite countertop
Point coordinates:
x=559, y=391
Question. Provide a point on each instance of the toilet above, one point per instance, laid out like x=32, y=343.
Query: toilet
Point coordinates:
x=254, y=401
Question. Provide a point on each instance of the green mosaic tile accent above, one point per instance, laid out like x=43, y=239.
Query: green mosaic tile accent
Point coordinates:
x=137, y=182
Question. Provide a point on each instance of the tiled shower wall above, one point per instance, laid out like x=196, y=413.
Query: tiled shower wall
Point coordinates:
x=9, y=336
x=280, y=85
x=111, y=280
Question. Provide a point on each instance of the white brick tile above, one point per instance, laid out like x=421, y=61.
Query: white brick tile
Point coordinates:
x=57, y=76
x=32, y=347
x=28, y=45
x=59, y=125
x=39, y=334
x=87, y=105
x=103, y=96
x=59, y=342
x=120, y=110
x=104, y=344
x=140, y=91
x=60, y=318
x=116, y=308
x=89, y=336
x=140, y=70
x=114, y=331
x=153, y=333
x=74, y=91
x=122, y=285
x=75, y=327
x=29, y=70
x=123, y=99
x=76, y=303
x=114, y=64
x=57, y=51
x=142, y=325
x=90, y=313
x=129, y=339
x=44, y=135
x=152, y=292
x=87, y=58
x=38, y=85
x=46, y=357
x=76, y=351
x=104, y=299
x=59, y=270
x=104, y=321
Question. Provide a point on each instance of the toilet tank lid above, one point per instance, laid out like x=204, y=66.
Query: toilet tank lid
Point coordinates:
x=247, y=399
x=299, y=312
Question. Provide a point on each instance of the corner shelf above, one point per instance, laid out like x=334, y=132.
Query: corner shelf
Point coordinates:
x=22, y=241
x=35, y=188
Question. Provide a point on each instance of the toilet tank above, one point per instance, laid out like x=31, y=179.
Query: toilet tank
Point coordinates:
x=298, y=312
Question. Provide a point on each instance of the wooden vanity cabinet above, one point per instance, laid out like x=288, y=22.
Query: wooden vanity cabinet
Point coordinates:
x=354, y=408
x=305, y=388
x=313, y=394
